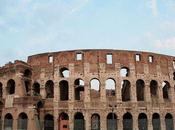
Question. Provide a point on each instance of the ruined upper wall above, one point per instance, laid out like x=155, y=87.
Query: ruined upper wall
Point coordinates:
x=162, y=63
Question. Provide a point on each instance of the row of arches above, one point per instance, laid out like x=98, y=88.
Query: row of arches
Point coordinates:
x=111, y=122
x=110, y=86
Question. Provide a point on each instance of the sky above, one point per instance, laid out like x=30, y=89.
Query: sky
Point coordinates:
x=29, y=27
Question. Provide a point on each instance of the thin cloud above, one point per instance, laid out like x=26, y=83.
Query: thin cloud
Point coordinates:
x=166, y=43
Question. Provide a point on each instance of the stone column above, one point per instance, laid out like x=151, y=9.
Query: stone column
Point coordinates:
x=135, y=122
x=103, y=122
x=120, y=122
x=133, y=91
x=150, y=125
x=87, y=121
x=71, y=120
x=118, y=90
x=162, y=122
x=147, y=93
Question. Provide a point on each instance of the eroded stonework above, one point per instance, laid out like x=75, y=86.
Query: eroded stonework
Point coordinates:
x=89, y=90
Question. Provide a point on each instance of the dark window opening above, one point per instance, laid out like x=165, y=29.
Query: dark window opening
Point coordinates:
x=165, y=89
x=174, y=75
x=36, y=89
x=110, y=87
x=153, y=88
x=22, y=121
x=79, y=122
x=169, y=122
x=8, y=122
x=27, y=73
x=156, y=121
x=49, y=87
x=1, y=90
x=127, y=122
x=142, y=122
x=95, y=122
x=64, y=90
x=64, y=72
x=49, y=122
x=140, y=85
x=79, y=89
x=124, y=72
x=126, y=90
x=95, y=89
x=27, y=87
x=11, y=86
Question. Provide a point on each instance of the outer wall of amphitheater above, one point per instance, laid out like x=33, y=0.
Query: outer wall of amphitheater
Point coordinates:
x=89, y=90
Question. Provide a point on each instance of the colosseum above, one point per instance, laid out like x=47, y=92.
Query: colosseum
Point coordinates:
x=89, y=90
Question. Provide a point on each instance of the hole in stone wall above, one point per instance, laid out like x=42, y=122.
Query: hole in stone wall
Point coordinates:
x=11, y=86
x=138, y=57
x=140, y=85
x=109, y=58
x=110, y=87
x=36, y=89
x=165, y=89
x=125, y=90
x=153, y=88
x=49, y=87
x=27, y=73
x=174, y=75
x=64, y=72
x=79, y=89
x=64, y=90
x=124, y=72
x=1, y=90
x=95, y=88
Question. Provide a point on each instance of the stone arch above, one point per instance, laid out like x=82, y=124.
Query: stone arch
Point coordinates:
x=79, y=89
x=8, y=122
x=169, y=123
x=127, y=121
x=48, y=122
x=22, y=121
x=124, y=72
x=64, y=72
x=27, y=73
x=95, y=88
x=126, y=92
x=142, y=121
x=154, y=89
x=112, y=121
x=11, y=87
x=156, y=121
x=63, y=121
x=36, y=89
x=166, y=90
x=49, y=87
x=140, y=86
x=95, y=122
x=64, y=90
x=110, y=86
x=79, y=122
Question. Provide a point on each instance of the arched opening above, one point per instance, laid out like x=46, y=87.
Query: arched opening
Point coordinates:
x=8, y=122
x=124, y=72
x=169, y=122
x=1, y=90
x=127, y=121
x=79, y=89
x=142, y=122
x=79, y=122
x=36, y=89
x=95, y=89
x=153, y=89
x=49, y=87
x=110, y=87
x=11, y=87
x=64, y=90
x=156, y=121
x=48, y=122
x=95, y=122
x=64, y=72
x=140, y=85
x=1, y=109
x=27, y=87
x=174, y=75
x=165, y=89
x=27, y=73
x=63, y=121
x=126, y=90
x=111, y=121
x=22, y=121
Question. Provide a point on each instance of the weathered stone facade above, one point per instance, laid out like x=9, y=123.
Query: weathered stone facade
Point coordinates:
x=90, y=90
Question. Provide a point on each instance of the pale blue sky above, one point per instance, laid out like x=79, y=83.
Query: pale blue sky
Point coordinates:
x=29, y=27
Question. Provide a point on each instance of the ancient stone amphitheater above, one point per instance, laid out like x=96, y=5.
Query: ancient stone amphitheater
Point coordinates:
x=89, y=90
